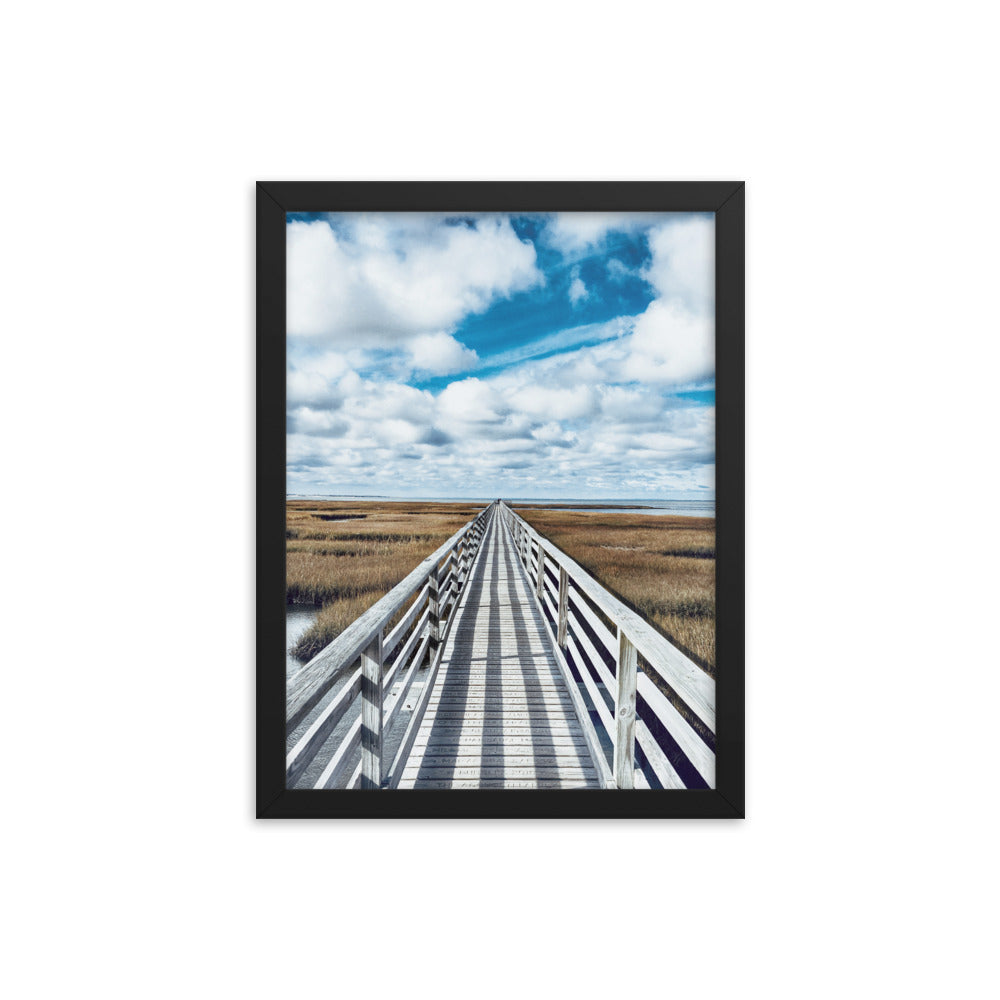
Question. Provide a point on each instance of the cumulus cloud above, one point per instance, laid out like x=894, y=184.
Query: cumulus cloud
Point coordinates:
x=472, y=401
x=673, y=341
x=682, y=262
x=669, y=344
x=563, y=404
x=573, y=233
x=375, y=302
x=440, y=354
x=322, y=423
x=381, y=281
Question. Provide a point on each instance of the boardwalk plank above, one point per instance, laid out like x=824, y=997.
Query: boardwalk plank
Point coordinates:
x=499, y=714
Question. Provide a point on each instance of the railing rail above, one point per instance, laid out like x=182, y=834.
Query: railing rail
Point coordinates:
x=629, y=706
x=385, y=661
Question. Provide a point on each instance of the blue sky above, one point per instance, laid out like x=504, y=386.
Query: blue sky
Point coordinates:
x=501, y=355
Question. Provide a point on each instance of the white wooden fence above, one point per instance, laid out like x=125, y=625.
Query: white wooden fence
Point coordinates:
x=366, y=646
x=603, y=640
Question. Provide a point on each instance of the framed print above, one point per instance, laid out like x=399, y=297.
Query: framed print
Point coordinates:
x=500, y=499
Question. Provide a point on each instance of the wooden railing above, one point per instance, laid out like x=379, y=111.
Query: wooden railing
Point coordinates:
x=385, y=662
x=600, y=640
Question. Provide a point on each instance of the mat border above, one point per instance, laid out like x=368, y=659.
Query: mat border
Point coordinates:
x=726, y=199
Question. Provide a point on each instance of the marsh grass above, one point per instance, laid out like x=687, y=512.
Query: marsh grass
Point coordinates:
x=345, y=556
x=661, y=566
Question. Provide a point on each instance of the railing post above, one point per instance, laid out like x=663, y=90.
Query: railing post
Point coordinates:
x=434, y=605
x=624, y=762
x=540, y=589
x=371, y=714
x=563, y=605
x=463, y=558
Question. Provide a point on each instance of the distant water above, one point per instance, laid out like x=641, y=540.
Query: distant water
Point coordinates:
x=678, y=508
x=298, y=617
x=691, y=506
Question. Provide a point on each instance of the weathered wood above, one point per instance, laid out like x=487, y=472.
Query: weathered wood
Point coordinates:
x=450, y=771
x=499, y=706
x=398, y=697
x=371, y=714
x=436, y=725
x=479, y=716
x=624, y=762
x=607, y=640
x=500, y=692
x=563, y=605
x=690, y=682
x=593, y=743
x=574, y=751
x=592, y=656
x=591, y=685
x=658, y=760
x=690, y=743
x=336, y=763
x=403, y=753
x=309, y=685
x=316, y=735
x=497, y=702
x=501, y=739
x=393, y=639
x=460, y=783
x=401, y=657
x=434, y=606
x=417, y=718
x=695, y=688
x=445, y=759
x=551, y=603
x=465, y=680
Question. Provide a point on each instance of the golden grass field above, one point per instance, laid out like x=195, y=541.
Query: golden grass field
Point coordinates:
x=345, y=555
x=662, y=566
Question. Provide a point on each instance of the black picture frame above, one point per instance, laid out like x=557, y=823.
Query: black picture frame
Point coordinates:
x=726, y=200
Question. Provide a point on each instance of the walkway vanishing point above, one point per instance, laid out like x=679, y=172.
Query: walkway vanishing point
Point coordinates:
x=500, y=663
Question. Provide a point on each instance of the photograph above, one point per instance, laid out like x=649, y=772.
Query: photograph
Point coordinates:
x=500, y=500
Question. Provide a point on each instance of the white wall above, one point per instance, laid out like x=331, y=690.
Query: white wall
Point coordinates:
x=134, y=136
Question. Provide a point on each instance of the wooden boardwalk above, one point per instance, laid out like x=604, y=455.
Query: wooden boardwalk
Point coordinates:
x=499, y=662
x=499, y=714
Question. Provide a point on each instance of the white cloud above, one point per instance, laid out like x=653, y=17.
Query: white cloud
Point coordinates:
x=563, y=340
x=562, y=404
x=394, y=280
x=673, y=341
x=471, y=401
x=591, y=420
x=389, y=400
x=682, y=264
x=669, y=344
x=629, y=404
x=309, y=388
x=322, y=423
x=577, y=289
x=618, y=270
x=440, y=354
x=573, y=233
